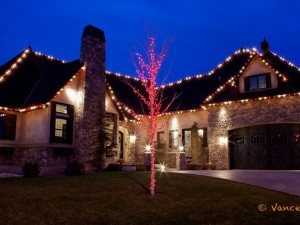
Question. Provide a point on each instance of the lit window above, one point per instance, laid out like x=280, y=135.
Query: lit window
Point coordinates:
x=61, y=108
x=173, y=139
x=161, y=140
x=61, y=129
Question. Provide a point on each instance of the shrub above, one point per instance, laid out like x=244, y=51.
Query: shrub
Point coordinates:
x=7, y=152
x=190, y=167
x=74, y=168
x=62, y=151
x=205, y=166
x=140, y=168
x=31, y=169
x=113, y=167
x=213, y=166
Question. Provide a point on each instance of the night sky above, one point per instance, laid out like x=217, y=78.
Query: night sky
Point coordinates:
x=203, y=33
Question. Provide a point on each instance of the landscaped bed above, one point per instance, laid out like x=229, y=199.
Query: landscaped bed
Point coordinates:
x=120, y=198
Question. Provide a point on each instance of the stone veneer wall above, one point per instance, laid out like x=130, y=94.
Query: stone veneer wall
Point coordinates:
x=93, y=103
x=236, y=115
x=50, y=163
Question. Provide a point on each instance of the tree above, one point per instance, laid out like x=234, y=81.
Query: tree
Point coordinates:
x=147, y=69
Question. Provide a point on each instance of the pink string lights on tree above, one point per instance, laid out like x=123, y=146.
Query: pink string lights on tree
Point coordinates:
x=147, y=69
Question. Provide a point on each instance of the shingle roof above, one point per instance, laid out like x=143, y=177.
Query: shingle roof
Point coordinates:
x=288, y=81
x=192, y=91
x=31, y=78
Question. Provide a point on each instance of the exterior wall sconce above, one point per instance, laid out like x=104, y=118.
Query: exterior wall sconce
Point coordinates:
x=223, y=140
x=148, y=148
x=132, y=139
x=181, y=149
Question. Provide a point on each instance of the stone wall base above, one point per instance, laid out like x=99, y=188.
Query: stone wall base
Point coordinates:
x=50, y=159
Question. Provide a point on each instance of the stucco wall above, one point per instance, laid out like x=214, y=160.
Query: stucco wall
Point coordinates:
x=256, y=66
x=176, y=122
x=35, y=127
x=231, y=116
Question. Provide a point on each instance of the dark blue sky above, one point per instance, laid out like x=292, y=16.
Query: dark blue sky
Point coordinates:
x=203, y=32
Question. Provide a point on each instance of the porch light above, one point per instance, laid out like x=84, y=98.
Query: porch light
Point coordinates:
x=132, y=138
x=148, y=148
x=162, y=168
x=181, y=149
x=223, y=140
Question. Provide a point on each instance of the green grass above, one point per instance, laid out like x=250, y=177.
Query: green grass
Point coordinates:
x=119, y=198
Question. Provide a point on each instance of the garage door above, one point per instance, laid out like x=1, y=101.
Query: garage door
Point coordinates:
x=270, y=146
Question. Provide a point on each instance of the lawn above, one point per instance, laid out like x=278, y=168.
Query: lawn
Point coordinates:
x=119, y=198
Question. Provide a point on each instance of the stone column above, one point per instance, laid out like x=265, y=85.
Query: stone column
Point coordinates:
x=195, y=144
x=147, y=160
x=181, y=161
x=89, y=116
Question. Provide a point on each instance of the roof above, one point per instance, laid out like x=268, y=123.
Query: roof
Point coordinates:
x=191, y=91
x=31, y=79
x=219, y=85
x=288, y=81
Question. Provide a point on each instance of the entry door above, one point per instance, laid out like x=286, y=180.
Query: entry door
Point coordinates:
x=187, y=142
x=121, y=153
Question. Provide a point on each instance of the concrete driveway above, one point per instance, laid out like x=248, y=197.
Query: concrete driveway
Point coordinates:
x=287, y=181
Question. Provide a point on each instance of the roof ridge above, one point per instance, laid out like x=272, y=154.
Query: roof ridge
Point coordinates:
x=14, y=65
x=285, y=61
x=210, y=73
x=121, y=75
x=48, y=56
x=231, y=80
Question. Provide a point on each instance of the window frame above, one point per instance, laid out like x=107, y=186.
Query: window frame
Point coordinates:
x=69, y=117
x=172, y=142
x=9, y=127
x=160, y=142
x=248, y=80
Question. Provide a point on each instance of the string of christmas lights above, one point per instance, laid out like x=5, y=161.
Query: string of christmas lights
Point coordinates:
x=231, y=81
x=16, y=64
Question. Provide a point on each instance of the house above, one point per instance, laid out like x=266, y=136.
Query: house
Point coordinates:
x=244, y=114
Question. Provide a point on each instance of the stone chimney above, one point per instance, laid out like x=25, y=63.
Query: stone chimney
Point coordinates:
x=92, y=88
x=265, y=47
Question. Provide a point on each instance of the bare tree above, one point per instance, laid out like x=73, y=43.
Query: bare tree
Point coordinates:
x=147, y=69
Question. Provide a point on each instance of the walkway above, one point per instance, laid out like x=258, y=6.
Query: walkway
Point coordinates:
x=280, y=180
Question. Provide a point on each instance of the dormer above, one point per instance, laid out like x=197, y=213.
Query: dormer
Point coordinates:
x=257, y=76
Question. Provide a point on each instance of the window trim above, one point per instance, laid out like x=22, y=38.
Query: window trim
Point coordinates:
x=172, y=140
x=256, y=76
x=69, y=128
x=12, y=129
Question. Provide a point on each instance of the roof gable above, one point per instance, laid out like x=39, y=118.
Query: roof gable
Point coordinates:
x=191, y=91
x=287, y=76
x=32, y=79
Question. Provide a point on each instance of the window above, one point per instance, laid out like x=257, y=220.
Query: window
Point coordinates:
x=187, y=142
x=297, y=138
x=8, y=126
x=258, y=139
x=173, y=139
x=161, y=140
x=279, y=139
x=110, y=128
x=237, y=140
x=257, y=82
x=61, y=129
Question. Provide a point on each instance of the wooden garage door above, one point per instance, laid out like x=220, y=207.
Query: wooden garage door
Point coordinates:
x=270, y=146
